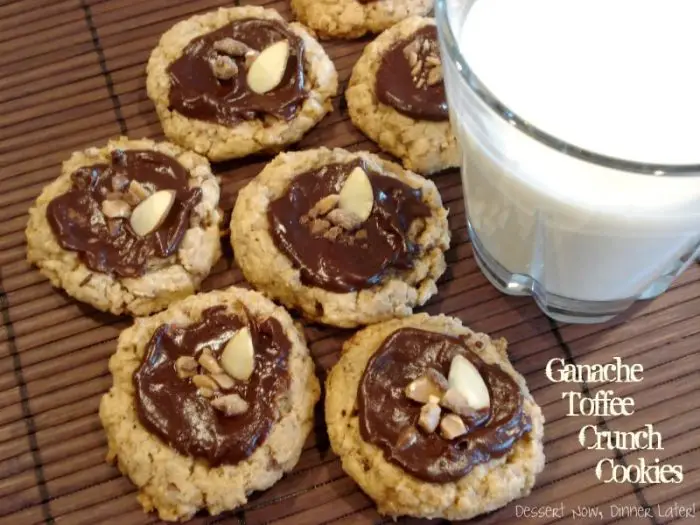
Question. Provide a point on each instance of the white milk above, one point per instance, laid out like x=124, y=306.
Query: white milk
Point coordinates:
x=615, y=77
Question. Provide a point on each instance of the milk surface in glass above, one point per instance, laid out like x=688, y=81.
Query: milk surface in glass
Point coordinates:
x=586, y=235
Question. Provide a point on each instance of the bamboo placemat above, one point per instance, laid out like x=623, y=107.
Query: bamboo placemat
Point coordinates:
x=71, y=76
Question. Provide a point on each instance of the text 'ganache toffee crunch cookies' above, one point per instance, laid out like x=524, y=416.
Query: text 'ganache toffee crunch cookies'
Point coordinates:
x=396, y=96
x=432, y=420
x=239, y=81
x=211, y=400
x=129, y=227
x=344, y=238
x=354, y=18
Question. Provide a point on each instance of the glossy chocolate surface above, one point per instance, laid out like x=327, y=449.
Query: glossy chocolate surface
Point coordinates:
x=385, y=412
x=348, y=262
x=171, y=408
x=197, y=93
x=110, y=245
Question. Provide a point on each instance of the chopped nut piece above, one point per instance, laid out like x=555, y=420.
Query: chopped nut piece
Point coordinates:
x=231, y=404
x=415, y=70
x=425, y=387
x=407, y=437
x=205, y=392
x=455, y=402
x=224, y=67
x=346, y=219
x=435, y=75
x=438, y=379
x=202, y=381
x=319, y=226
x=209, y=362
x=119, y=182
x=426, y=46
x=323, y=206
x=223, y=380
x=238, y=357
x=433, y=60
x=185, y=366
x=137, y=192
x=361, y=234
x=232, y=47
x=333, y=233
x=429, y=417
x=452, y=427
x=435, y=400
x=115, y=209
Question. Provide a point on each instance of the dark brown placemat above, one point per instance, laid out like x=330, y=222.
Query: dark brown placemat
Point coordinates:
x=71, y=76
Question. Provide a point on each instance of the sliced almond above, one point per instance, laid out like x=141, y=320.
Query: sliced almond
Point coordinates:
x=202, y=381
x=238, y=358
x=452, y=427
x=357, y=195
x=268, y=68
x=152, y=212
x=466, y=379
x=429, y=417
x=231, y=404
x=223, y=380
x=209, y=362
x=455, y=402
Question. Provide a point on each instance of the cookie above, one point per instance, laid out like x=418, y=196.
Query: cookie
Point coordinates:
x=354, y=18
x=341, y=253
x=396, y=96
x=432, y=420
x=217, y=93
x=128, y=228
x=211, y=400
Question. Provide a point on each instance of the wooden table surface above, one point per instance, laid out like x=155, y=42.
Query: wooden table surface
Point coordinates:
x=72, y=76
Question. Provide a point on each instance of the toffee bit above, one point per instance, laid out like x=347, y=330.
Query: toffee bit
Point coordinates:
x=325, y=205
x=231, y=404
x=232, y=47
x=185, y=366
x=435, y=76
x=224, y=67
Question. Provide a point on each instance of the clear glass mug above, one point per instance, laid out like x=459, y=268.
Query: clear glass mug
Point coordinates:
x=584, y=235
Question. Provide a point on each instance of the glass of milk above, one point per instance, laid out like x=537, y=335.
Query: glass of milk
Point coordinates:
x=579, y=124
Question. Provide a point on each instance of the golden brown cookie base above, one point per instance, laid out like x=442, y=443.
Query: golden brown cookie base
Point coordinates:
x=178, y=486
x=487, y=487
x=423, y=146
x=166, y=280
x=219, y=142
x=270, y=271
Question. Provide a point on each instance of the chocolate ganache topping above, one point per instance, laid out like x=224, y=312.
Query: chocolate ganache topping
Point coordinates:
x=172, y=409
x=340, y=260
x=385, y=412
x=109, y=244
x=409, y=78
x=225, y=98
